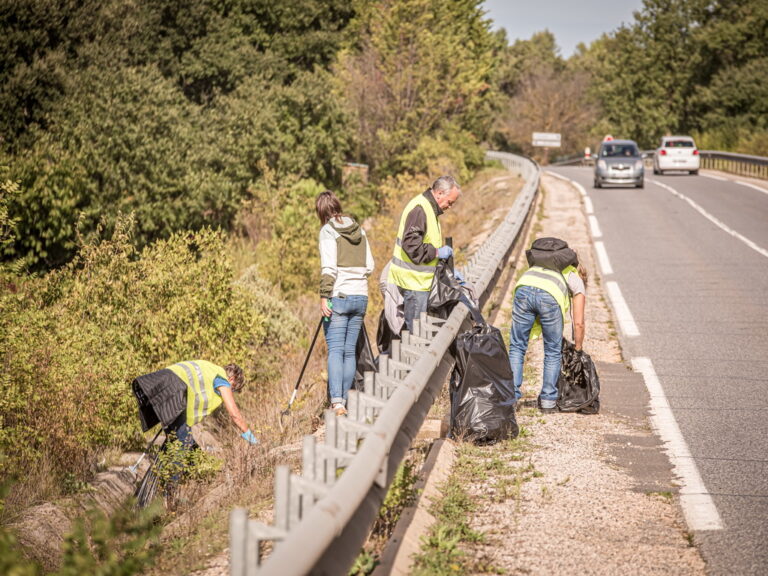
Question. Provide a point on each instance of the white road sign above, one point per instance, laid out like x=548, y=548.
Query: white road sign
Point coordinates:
x=546, y=139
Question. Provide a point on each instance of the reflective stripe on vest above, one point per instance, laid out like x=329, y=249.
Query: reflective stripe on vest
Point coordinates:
x=199, y=375
x=403, y=271
x=550, y=281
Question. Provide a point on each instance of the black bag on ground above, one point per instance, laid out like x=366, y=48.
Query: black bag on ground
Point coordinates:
x=482, y=388
x=551, y=253
x=578, y=385
x=365, y=360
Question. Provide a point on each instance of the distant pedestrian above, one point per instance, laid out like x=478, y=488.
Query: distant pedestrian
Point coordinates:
x=542, y=301
x=346, y=263
x=419, y=245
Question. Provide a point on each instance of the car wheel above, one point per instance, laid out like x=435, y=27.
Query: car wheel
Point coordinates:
x=694, y=172
x=596, y=184
x=641, y=185
x=655, y=171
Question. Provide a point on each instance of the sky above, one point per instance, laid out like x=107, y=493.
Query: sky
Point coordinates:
x=571, y=21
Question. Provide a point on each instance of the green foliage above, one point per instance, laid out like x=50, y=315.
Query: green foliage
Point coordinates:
x=684, y=66
x=290, y=257
x=176, y=461
x=406, y=76
x=74, y=340
x=121, y=545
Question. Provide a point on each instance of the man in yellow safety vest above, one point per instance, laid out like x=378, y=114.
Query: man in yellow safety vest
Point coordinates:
x=541, y=302
x=419, y=245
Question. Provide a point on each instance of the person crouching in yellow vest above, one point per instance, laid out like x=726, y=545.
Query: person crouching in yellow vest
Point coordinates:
x=181, y=395
x=419, y=245
x=541, y=302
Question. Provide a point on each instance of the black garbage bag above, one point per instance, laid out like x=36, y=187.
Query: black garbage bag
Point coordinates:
x=445, y=291
x=482, y=388
x=365, y=360
x=384, y=335
x=578, y=385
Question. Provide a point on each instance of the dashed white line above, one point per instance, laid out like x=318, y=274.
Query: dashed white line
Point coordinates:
x=699, y=508
x=623, y=313
x=588, y=205
x=715, y=221
x=714, y=177
x=602, y=258
x=594, y=227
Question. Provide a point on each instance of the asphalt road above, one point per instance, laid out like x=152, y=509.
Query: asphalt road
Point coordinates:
x=698, y=293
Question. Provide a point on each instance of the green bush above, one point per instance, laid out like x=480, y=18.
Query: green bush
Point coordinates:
x=72, y=341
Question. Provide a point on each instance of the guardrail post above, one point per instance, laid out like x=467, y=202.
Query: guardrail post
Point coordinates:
x=238, y=529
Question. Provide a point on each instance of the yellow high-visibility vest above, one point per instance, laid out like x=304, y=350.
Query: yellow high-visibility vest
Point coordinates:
x=199, y=375
x=552, y=282
x=403, y=271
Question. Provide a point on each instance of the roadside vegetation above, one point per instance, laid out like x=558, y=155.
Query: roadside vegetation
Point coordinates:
x=159, y=163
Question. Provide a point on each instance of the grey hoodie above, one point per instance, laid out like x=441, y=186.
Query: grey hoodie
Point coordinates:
x=345, y=258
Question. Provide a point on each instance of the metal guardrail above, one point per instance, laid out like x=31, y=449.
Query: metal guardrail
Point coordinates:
x=323, y=516
x=739, y=164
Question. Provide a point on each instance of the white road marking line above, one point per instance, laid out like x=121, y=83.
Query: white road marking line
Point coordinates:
x=594, y=227
x=714, y=177
x=579, y=187
x=556, y=175
x=714, y=220
x=698, y=506
x=750, y=185
x=602, y=258
x=623, y=313
x=588, y=205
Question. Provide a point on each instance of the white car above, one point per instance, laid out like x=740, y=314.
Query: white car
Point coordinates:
x=676, y=153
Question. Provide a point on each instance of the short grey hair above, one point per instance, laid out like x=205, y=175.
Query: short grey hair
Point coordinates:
x=445, y=184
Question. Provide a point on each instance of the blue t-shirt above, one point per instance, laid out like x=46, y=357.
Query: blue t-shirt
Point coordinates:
x=218, y=382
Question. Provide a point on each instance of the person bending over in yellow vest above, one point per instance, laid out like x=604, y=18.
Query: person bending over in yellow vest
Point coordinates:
x=419, y=245
x=542, y=300
x=181, y=395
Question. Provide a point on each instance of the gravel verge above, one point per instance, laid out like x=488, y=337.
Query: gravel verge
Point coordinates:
x=580, y=511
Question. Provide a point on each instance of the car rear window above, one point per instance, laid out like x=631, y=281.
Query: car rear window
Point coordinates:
x=617, y=150
x=678, y=144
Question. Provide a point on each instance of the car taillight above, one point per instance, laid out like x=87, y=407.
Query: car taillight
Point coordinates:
x=663, y=152
x=695, y=152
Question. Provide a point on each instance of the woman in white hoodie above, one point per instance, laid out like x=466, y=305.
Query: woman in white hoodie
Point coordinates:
x=345, y=264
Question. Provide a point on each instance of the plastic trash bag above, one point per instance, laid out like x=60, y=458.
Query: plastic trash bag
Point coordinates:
x=365, y=360
x=578, y=385
x=445, y=291
x=482, y=388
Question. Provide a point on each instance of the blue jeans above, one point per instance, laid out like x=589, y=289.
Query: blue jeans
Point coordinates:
x=414, y=303
x=530, y=303
x=341, y=333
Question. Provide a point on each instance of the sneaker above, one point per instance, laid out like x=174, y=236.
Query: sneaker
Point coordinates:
x=547, y=409
x=339, y=409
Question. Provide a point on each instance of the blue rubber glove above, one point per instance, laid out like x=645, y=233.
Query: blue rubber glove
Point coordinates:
x=444, y=252
x=249, y=437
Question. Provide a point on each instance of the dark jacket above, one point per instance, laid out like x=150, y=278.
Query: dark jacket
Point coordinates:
x=162, y=397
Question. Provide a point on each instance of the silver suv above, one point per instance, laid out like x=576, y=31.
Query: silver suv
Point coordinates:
x=619, y=162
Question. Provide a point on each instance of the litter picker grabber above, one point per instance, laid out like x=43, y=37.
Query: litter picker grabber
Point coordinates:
x=304, y=367
x=149, y=447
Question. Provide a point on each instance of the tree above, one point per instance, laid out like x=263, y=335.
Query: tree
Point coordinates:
x=417, y=65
